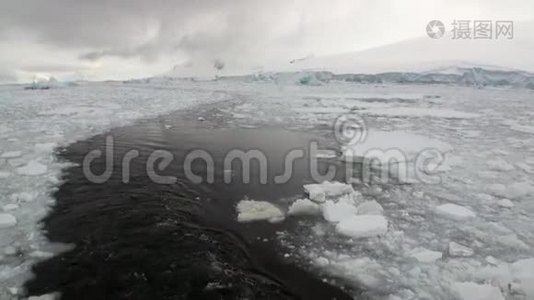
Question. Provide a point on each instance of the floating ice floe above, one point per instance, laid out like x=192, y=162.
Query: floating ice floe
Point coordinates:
x=420, y=112
x=525, y=167
x=33, y=168
x=320, y=191
x=519, y=190
x=362, y=270
x=40, y=254
x=321, y=261
x=393, y=147
x=304, y=207
x=9, y=207
x=370, y=208
x=10, y=250
x=475, y=291
x=513, y=191
x=443, y=163
x=326, y=154
x=362, y=226
x=500, y=164
x=337, y=211
x=522, y=272
x=424, y=255
x=514, y=125
x=23, y=196
x=251, y=210
x=456, y=249
x=7, y=220
x=45, y=147
x=11, y=154
x=45, y=297
x=455, y=212
x=506, y=203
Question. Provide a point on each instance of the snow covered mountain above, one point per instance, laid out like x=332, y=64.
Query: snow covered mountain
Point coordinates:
x=472, y=62
x=424, y=53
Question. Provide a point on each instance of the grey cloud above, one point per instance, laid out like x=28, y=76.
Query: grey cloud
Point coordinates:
x=195, y=29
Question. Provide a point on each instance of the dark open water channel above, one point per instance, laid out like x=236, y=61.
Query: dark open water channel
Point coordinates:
x=142, y=240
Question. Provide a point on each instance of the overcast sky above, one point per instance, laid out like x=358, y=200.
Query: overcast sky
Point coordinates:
x=97, y=39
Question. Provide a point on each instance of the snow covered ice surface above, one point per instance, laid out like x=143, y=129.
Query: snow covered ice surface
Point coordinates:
x=450, y=239
x=35, y=122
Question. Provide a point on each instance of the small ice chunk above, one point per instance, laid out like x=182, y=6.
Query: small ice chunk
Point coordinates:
x=326, y=153
x=420, y=112
x=387, y=146
x=16, y=162
x=251, y=210
x=513, y=191
x=492, y=260
x=45, y=147
x=10, y=206
x=525, y=167
x=7, y=220
x=475, y=291
x=320, y=191
x=10, y=250
x=321, y=261
x=418, y=194
x=44, y=297
x=33, y=168
x=522, y=273
x=512, y=241
x=11, y=154
x=519, y=190
x=41, y=254
x=201, y=119
x=23, y=196
x=13, y=291
x=424, y=255
x=523, y=268
x=337, y=211
x=370, y=208
x=506, y=203
x=455, y=212
x=364, y=271
x=362, y=226
x=304, y=207
x=497, y=189
x=500, y=164
x=456, y=249
x=484, y=196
